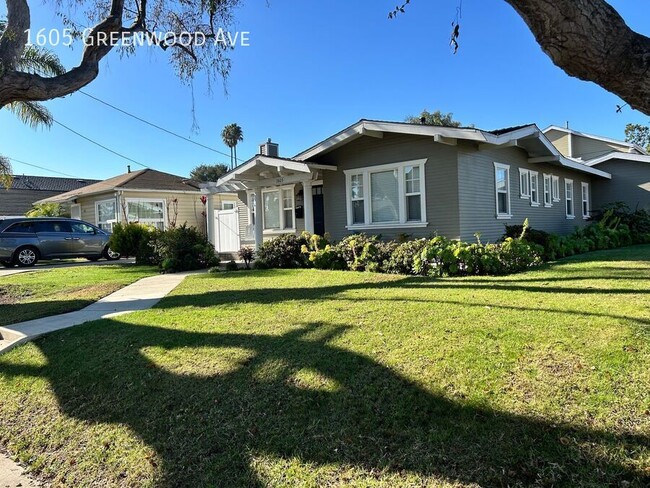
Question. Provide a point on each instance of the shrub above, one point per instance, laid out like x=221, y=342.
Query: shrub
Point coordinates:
x=232, y=266
x=365, y=253
x=533, y=236
x=284, y=251
x=246, y=254
x=401, y=259
x=183, y=249
x=321, y=254
x=134, y=239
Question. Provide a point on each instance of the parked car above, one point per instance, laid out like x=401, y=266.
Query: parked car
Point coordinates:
x=23, y=241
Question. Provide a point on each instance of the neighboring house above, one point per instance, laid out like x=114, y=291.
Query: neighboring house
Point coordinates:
x=398, y=179
x=25, y=190
x=628, y=164
x=146, y=196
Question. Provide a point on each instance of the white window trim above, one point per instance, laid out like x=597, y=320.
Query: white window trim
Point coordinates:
x=148, y=200
x=402, y=223
x=554, y=179
x=251, y=194
x=534, y=174
x=524, y=172
x=232, y=202
x=508, y=215
x=567, y=183
x=547, y=177
x=583, y=186
x=112, y=221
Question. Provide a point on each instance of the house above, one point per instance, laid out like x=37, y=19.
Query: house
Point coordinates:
x=26, y=189
x=396, y=179
x=628, y=164
x=146, y=196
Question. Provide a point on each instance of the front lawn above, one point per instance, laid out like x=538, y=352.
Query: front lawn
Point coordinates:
x=316, y=378
x=42, y=293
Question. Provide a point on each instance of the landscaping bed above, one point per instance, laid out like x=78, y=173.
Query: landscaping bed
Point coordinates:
x=327, y=378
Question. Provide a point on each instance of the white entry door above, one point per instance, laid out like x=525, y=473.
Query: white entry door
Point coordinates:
x=227, y=230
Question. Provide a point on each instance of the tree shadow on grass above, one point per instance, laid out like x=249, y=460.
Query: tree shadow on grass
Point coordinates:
x=248, y=399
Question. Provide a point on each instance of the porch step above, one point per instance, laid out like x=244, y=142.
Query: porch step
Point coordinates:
x=224, y=257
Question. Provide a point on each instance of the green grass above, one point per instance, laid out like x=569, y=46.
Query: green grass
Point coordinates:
x=43, y=293
x=314, y=378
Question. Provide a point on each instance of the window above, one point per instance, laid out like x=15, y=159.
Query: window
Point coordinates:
x=534, y=188
x=547, y=191
x=555, y=187
x=390, y=195
x=81, y=228
x=105, y=214
x=357, y=199
x=502, y=190
x=53, y=226
x=151, y=212
x=278, y=209
x=21, y=227
x=227, y=205
x=585, y=200
x=413, y=195
x=524, y=183
x=252, y=207
x=287, y=208
x=568, y=196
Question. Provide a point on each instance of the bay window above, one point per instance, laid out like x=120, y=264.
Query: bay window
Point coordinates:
x=390, y=195
x=277, y=209
x=271, y=203
x=502, y=190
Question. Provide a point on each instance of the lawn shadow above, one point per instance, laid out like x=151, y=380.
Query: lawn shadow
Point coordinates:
x=206, y=428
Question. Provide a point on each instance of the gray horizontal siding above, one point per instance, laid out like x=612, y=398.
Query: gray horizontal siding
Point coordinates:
x=440, y=182
x=630, y=183
x=478, y=202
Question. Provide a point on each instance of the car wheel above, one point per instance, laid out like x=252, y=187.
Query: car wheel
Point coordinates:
x=26, y=256
x=111, y=255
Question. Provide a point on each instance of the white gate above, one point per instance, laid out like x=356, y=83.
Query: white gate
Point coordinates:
x=226, y=230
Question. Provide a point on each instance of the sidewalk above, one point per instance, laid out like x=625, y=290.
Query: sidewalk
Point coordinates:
x=11, y=475
x=141, y=295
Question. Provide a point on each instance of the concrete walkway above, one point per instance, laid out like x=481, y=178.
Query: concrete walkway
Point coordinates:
x=12, y=475
x=141, y=295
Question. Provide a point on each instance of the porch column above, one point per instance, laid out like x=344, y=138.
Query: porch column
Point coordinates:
x=259, y=216
x=209, y=219
x=308, y=206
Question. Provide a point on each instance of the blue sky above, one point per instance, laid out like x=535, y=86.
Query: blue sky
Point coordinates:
x=312, y=68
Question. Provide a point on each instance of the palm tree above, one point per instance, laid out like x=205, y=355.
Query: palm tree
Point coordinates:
x=39, y=61
x=232, y=134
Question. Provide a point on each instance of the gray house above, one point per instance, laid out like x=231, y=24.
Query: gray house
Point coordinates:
x=396, y=179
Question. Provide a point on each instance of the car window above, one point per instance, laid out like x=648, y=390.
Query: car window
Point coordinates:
x=53, y=226
x=81, y=228
x=21, y=227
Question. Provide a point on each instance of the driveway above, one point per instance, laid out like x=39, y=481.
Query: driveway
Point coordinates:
x=61, y=264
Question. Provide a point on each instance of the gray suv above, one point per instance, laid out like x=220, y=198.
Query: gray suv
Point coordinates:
x=23, y=241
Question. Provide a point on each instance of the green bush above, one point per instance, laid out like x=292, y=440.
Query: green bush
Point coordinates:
x=135, y=240
x=246, y=254
x=183, y=249
x=232, y=266
x=533, y=236
x=365, y=253
x=284, y=251
x=321, y=254
x=402, y=257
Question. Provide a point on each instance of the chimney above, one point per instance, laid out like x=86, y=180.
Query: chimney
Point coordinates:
x=128, y=168
x=270, y=149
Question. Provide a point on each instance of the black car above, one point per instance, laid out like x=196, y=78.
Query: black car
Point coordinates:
x=23, y=241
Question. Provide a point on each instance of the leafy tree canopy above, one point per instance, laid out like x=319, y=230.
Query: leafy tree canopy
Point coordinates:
x=638, y=134
x=434, y=118
x=208, y=172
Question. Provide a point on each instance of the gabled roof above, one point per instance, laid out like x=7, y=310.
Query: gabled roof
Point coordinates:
x=597, y=138
x=529, y=137
x=144, y=179
x=641, y=158
x=47, y=183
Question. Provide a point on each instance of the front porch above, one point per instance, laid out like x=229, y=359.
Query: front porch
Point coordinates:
x=275, y=196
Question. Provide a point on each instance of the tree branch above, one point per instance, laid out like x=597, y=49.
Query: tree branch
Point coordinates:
x=588, y=39
x=12, y=42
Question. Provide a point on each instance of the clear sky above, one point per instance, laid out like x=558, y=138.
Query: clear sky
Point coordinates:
x=314, y=67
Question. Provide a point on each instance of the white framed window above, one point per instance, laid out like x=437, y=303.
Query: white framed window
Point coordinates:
x=278, y=209
x=228, y=205
x=585, y=200
x=386, y=196
x=548, y=200
x=146, y=211
x=534, y=188
x=106, y=214
x=555, y=187
x=524, y=183
x=502, y=190
x=568, y=196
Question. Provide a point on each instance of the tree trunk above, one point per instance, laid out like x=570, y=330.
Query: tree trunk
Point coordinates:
x=589, y=40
